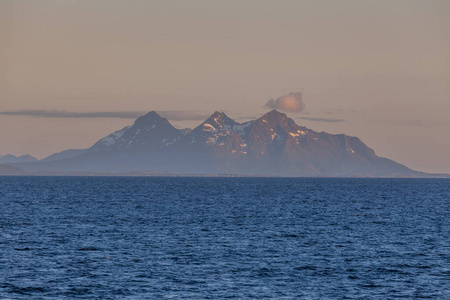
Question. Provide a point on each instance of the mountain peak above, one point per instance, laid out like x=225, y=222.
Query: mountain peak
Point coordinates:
x=221, y=120
x=150, y=119
x=275, y=114
x=150, y=115
x=150, y=131
x=218, y=116
x=218, y=113
x=274, y=117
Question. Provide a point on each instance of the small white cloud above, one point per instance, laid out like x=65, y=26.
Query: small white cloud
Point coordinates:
x=291, y=102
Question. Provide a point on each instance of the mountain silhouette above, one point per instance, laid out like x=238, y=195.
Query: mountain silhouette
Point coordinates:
x=272, y=145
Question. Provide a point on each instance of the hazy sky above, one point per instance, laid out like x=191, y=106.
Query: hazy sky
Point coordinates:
x=72, y=71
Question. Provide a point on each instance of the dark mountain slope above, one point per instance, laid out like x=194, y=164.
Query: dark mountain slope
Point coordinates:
x=272, y=145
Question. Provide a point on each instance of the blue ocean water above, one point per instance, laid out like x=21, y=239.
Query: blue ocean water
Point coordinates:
x=217, y=238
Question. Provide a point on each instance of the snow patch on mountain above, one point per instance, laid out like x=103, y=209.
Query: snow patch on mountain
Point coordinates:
x=240, y=128
x=209, y=127
x=113, y=137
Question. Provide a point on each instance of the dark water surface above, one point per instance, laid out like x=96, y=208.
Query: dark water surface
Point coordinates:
x=217, y=238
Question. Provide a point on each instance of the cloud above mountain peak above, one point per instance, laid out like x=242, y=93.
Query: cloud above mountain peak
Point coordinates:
x=291, y=103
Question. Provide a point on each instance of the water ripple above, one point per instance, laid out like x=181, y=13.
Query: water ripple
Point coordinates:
x=214, y=238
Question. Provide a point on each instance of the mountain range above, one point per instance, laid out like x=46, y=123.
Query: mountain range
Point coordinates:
x=9, y=159
x=272, y=145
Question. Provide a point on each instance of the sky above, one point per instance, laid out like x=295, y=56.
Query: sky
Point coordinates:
x=74, y=71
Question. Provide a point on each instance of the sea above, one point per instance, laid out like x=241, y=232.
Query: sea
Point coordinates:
x=224, y=238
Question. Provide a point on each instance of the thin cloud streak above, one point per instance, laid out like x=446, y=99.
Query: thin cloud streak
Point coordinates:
x=181, y=115
x=419, y=123
x=322, y=120
x=68, y=114
x=174, y=115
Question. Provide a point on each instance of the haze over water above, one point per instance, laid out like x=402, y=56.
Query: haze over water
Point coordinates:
x=212, y=238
